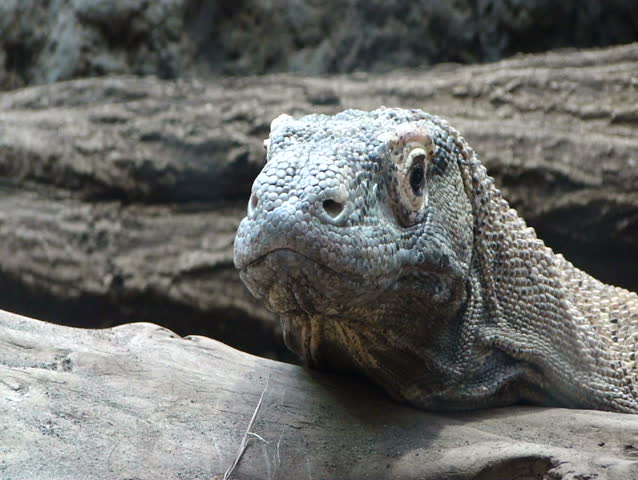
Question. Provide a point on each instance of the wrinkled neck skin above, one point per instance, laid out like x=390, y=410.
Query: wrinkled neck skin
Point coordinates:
x=404, y=337
x=550, y=333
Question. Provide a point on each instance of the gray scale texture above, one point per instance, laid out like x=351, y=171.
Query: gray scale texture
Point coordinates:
x=442, y=295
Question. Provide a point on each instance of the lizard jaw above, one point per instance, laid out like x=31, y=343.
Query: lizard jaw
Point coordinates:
x=289, y=281
x=309, y=298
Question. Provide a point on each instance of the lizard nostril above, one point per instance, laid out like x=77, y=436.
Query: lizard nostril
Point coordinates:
x=332, y=208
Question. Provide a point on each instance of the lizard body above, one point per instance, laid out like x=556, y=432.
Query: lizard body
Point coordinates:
x=387, y=250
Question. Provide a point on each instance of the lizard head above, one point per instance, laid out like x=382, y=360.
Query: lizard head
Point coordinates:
x=359, y=234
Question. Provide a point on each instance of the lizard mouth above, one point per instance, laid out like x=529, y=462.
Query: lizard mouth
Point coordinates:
x=289, y=281
x=308, y=297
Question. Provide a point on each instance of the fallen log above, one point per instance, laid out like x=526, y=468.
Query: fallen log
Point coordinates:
x=138, y=401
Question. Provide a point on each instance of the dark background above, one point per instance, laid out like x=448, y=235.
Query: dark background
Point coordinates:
x=45, y=41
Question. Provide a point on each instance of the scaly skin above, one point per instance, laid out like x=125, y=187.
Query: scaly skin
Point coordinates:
x=386, y=249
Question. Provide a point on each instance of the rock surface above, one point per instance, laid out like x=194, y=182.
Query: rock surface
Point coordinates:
x=139, y=402
x=47, y=41
x=120, y=197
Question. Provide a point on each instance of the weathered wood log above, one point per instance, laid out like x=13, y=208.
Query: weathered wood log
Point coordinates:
x=119, y=197
x=137, y=401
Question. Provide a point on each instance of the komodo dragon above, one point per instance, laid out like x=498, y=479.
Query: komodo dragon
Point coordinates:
x=386, y=249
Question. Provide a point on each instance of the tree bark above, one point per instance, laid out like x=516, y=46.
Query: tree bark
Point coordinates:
x=137, y=401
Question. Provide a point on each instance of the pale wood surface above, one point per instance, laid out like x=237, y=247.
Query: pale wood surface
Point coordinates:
x=138, y=402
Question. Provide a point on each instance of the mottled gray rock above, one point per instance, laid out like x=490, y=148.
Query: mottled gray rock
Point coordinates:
x=338, y=36
x=42, y=42
x=139, y=402
x=119, y=197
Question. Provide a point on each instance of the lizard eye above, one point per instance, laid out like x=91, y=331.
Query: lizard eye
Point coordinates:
x=417, y=175
x=414, y=178
x=412, y=175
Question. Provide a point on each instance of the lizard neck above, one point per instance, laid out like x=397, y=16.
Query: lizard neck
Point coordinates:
x=566, y=332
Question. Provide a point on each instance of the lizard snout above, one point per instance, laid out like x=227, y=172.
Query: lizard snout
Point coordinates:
x=322, y=199
x=309, y=217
